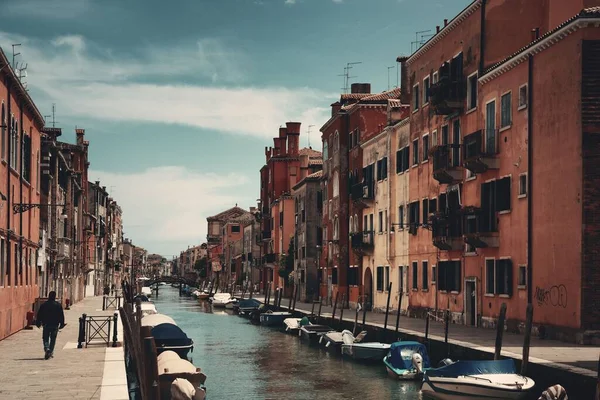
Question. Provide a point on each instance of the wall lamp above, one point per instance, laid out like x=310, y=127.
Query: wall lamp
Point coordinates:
x=409, y=225
x=22, y=207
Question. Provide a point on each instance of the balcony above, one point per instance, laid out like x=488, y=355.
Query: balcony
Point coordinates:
x=270, y=258
x=477, y=232
x=445, y=169
x=446, y=231
x=480, y=155
x=362, y=242
x=361, y=193
x=447, y=96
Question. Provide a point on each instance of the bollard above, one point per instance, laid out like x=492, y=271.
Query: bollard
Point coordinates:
x=115, y=317
x=527, y=341
x=81, y=337
x=500, y=332
x=103, y=302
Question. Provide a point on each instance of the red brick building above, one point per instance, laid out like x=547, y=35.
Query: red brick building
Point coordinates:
x=503, y=152
x=20, y=126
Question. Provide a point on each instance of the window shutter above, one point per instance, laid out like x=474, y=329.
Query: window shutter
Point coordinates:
x=509, y=277
x=458, y=276
x=441, y=278
x=398, y=161
x=503, y=194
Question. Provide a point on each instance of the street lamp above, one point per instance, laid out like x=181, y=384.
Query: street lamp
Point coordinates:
x=22, y=207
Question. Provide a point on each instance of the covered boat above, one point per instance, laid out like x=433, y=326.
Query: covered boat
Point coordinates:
x=182, y=389
x=407, y=360
x=273, y=318
x=221, y=299
x=246, y=306
x=171, y=337
x=148, y=308
x=332, y=340
x=157, y=319
x=312, y=333
x=496, y=379
x=230, y=305
x=293, y=325
x=142, y=298
x=146, y=291
x=172, y=367
x=203, y=295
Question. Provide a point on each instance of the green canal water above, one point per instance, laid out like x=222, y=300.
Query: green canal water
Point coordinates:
x=245, y=361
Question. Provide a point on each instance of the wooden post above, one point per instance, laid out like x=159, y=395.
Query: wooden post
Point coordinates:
x=598, y=381
x=280, y=297
x=320, y=305
x=398, y=314
x=251, y=291
x=291, y=298
x=151, y=368
x=276, y=298
x=212, y=286
x=138, y=316
x=364, y=313
x=342, y=308
x=427, y=326
x=334, y=306
x=355, y=321
x=500, y=332
x=295, y=297
x=527, y=341
x=446, y=323
x=387, y=310
x=312, y=311
x=180, y=288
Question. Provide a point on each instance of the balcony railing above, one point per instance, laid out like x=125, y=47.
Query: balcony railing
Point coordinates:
x=447, y=96
x=270, y=258
x=445, y=169
x=479, y=152
x=361, y=192
x=476, y=232
x=446, y=231
x=367, y=240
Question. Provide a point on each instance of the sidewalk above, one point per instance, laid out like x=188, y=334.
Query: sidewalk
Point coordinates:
x=96, y=372
x=582, y=360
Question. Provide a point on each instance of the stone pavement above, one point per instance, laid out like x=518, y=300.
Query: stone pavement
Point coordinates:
x=582, y=360
x=72, y=373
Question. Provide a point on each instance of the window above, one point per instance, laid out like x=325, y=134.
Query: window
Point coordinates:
x=303, y=252
x=402, y=160
x=356, y=221
x=380, y=221
x=426, y=90
x=433, y=205
x=448, y=278
x=353, y=276
x=490, y=270
x=365, y=226
x=382, y=169
x=503, y=194
x=434, y=139
x=413, y=217
x=387, y=277
x=445, y=135
x=472, y=91
x=401, y=288
x=371, y=223
x=433, y=274
x=490, y=127
x=522, y=185
x=505, y=110
x=280, y=218
x=351, y=224
x=425, y=147
x=425, y=210
x=302, y=276
x=236, y=228
x=415, y=275
x=401, y=217
x=456, y=143
x=415, y=97
x=523, y=97
x=425, y=277
x=334, y=276
x=336, y=228
x=336, y=184
x=522, y=276
x=38, y=173
x=415, y=151
x=14, y=142
x=498, y=277
x=385, y=221
x=380, y=279
x=325, y=150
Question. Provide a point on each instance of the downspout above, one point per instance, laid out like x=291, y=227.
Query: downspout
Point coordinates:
x=20, y=175
x=482, y=39
x=8, y=194
x=536, y=33
x=349, y=256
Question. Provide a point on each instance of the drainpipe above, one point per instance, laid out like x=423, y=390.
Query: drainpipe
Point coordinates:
x=8, y=194
x=349, y=256
x=482, y=39
x=536, y=35
x=19, y=169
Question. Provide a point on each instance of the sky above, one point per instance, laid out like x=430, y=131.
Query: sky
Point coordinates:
x=179, y=98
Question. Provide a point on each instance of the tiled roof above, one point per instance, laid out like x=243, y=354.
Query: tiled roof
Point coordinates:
x=591, y=12
x=309, y=152
x=396, y=103
x=354, y=96
x=388, y=94
x=317, y=174
x=315, y=161
x=227, y=214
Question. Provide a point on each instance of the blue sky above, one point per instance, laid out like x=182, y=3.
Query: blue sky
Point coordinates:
x=180, y=98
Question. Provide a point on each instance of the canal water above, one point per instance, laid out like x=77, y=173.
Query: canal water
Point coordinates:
x=245, y=361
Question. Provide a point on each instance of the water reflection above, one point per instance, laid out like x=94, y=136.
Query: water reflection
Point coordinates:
x=247, y=361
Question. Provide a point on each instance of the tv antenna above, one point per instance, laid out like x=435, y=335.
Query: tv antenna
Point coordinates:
x=347, y=76
x=308, y=135
x=389, y=68
x=414, y=46
x=14, y=54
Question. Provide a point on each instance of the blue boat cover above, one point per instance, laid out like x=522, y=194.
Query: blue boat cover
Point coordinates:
x=401, y=354
x=170, y=335
x=474, y=368
x=248, y=303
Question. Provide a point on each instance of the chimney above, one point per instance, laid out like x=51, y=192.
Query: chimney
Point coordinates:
x=404, y=89
x=437, y=29
x=267, y=153
x=282, y=140
x=293, y=132
x=335, y=108
x=80, y=135
x=445, y=22
x=97, y=183
x=276, y=146
x=360, y=88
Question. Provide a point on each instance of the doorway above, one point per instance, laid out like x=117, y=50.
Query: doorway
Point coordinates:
x=368, y=288
x=471, y=302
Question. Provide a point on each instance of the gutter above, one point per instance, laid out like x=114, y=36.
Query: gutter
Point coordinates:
x=536, y=32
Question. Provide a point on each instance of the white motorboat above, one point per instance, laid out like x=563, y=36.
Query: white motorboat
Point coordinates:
x=146, y=291
x=148, y=308
x=332, y=340
x=293, y=325
x=495, y=379
x=231, y=304
x=355, y=348
x=221, y=299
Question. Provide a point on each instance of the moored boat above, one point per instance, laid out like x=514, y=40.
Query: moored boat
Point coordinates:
x=355, y=348
x=204, y=295
x=220, y=300
x=171, y=337
x=246, y=306
x=293, y=325
x=495, y=379
x=156, y=319
x=312, y=333
x=230, y=305
x=146, y=291
x=332, y=341
x=407, y=360
x=172, y=367
x=148, y=308
x=273, y=318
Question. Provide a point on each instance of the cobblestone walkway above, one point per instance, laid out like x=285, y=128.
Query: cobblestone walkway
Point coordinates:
x=72, y=373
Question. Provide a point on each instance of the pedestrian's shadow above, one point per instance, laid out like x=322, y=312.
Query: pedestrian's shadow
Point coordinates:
x=30, y=359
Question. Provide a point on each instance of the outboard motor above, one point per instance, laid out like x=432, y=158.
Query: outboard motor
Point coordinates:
x=417, y=362
x=444, y=362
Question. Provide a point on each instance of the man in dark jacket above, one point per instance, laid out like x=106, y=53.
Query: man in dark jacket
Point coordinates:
x=51, y=316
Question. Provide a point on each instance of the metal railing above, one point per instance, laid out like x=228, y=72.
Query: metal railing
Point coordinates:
x=111, y=302
x=97, y=330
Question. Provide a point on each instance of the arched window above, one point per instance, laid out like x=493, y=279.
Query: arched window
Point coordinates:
x=336, y=184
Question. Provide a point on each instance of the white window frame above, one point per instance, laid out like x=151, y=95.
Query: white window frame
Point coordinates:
x=471, y=109
x=519, y=286
x=503, y=128
x=434, y=137
x=435, y=78
x=425, y=95
x=520, y=194
x=524, y=105
x=415, y=101
x=495, y=101
x=423, y=159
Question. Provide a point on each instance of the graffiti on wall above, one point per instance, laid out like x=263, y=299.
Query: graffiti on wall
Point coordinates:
x=556, y=296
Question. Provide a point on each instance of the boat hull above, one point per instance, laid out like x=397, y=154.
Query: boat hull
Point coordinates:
x=268, y=319
x=367, y=354
x=182, y=351
x=457, y=388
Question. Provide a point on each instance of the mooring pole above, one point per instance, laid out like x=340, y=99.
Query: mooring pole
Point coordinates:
x=446, y=323
x=398, y=314
x=364, y=314
x=387, y=310
x=342, y=308
x=527, y=341
x=291, y=298
x=320, y=305
x=312, y=311
x=334, y=306
x=427, y=325
x=500, y=332
x=355, y=320
x=295, y=297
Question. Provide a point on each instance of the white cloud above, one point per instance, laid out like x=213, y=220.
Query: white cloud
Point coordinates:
x=338, y=1
x=171, y=203
x=290, y=2
x=55, y=9
x=87, y=81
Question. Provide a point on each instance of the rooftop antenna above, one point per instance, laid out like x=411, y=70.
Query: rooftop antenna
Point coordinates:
x=14, y=54
x=347, y=76
x=419, y=42
x=388, y=68
x=308, y=134
x=54, y=122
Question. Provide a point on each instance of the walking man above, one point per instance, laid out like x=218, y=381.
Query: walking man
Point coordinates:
x=51, y=316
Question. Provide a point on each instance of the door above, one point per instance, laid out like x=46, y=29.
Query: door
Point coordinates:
x=470, y=303
x=368, y=289
x=490, y=127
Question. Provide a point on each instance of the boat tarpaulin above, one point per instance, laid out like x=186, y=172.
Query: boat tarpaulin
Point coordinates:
x=170, y=335
x=474, y=368
x=401, y=354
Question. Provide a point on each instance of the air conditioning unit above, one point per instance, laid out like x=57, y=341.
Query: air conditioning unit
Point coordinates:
x=365, y=192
